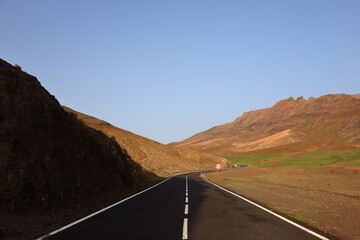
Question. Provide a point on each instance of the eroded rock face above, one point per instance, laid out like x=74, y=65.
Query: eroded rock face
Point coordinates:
x=47, y=156
x=328, y=122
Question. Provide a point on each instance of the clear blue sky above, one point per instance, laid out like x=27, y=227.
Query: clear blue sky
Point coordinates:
x=169, y=69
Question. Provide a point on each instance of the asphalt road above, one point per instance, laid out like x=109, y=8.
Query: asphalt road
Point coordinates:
x=165, y=212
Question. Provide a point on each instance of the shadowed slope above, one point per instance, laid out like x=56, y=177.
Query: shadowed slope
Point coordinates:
x=158, y=158
x=48, y=158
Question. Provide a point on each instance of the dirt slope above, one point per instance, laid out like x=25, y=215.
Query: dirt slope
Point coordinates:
x=326, y=123
x=155, y=157
x=48, y=158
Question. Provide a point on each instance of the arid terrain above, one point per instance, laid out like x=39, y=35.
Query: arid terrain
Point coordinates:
x=303, y=157
x=330, y=122
x=57, y=164
x=161, y=159
x=325, y=198
x=321, y=189
x=55, y=168
x=50, y=162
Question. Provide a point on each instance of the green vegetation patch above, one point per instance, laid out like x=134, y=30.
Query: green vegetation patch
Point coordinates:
x=322, y=158
x=259, y=160
x=300, y=219
x=299, y=160
x=306, y=124
x=352, y=164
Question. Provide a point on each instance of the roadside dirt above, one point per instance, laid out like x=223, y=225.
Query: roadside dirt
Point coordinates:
x=326, y=198
x=30, y=225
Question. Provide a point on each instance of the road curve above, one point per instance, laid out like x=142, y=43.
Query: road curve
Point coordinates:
x=184, y=207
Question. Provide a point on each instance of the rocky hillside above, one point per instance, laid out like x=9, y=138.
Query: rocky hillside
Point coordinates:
x=329, y=122
x=48, y=157
x=158, y=158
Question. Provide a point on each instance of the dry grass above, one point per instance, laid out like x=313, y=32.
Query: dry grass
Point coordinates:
x=327, y=198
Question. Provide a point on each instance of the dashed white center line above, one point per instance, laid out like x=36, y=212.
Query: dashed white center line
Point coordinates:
x=186, y=211
x=185, y=229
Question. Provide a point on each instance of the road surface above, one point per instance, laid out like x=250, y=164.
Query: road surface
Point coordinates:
x=184, y=207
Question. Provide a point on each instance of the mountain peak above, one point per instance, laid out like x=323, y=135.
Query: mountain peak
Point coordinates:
x=286, y=104
x=328, y=122
x=300, y=99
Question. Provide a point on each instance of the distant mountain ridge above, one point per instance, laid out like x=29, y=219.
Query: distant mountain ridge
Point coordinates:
x=326, y=123
x=161, y=159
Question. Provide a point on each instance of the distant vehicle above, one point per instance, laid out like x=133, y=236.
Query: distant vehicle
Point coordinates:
x=241, y=165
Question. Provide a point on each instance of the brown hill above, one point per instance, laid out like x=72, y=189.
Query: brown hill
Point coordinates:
x=49, y=158
x=155, y=157
x=329, y=122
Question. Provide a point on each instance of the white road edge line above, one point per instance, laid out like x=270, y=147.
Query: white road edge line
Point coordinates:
x=185, y=229
x=275, y=214
x=95, y=213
